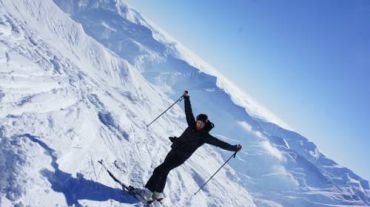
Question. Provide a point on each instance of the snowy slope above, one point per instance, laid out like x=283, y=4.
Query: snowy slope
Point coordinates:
x=79, y=80
x=67, y=102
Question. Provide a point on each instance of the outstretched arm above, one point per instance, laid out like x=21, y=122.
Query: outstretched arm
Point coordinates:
x=209, y=139
x=188, y=111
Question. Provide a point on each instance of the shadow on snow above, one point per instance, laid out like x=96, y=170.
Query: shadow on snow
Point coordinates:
x=78, y=188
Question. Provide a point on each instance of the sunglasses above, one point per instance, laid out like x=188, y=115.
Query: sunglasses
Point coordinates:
x=202, y=120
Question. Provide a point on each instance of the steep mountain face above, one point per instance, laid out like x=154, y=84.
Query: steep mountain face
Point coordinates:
x=80, y=79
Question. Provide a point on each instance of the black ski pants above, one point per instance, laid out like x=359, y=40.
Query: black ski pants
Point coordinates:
x=158, y=179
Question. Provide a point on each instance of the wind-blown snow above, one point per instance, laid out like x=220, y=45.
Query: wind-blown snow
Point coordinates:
x=79, y=81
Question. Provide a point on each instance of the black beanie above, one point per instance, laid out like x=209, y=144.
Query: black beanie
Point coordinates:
x=202, y=117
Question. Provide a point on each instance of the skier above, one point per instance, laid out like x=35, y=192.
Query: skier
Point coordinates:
x=194, y=136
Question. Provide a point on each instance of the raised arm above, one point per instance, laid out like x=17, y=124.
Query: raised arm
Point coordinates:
x=188, y=112
x=209, y=139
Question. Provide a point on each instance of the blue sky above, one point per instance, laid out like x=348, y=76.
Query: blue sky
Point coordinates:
x=306, y=61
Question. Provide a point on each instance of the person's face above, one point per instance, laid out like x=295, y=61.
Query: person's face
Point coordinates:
x=200, y=125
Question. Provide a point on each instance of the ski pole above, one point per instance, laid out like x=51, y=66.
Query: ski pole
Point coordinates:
x=200, y=188
x=179, y=99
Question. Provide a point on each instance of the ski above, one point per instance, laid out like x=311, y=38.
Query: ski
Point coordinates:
x=128, y=188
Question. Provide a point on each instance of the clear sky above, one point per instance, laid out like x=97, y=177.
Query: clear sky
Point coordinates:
x=306, y=61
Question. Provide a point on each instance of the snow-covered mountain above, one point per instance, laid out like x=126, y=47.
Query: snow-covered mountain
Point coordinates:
x=79, y=81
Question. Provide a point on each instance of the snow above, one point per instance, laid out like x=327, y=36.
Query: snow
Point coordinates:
x=81, y=79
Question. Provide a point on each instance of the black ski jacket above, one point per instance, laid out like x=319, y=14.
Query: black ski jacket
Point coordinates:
x=191, y=139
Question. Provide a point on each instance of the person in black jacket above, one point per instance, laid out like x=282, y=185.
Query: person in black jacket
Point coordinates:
x=194, y=136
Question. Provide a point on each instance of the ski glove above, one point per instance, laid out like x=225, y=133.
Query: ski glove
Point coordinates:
x=237, y=147
x=172, y=139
